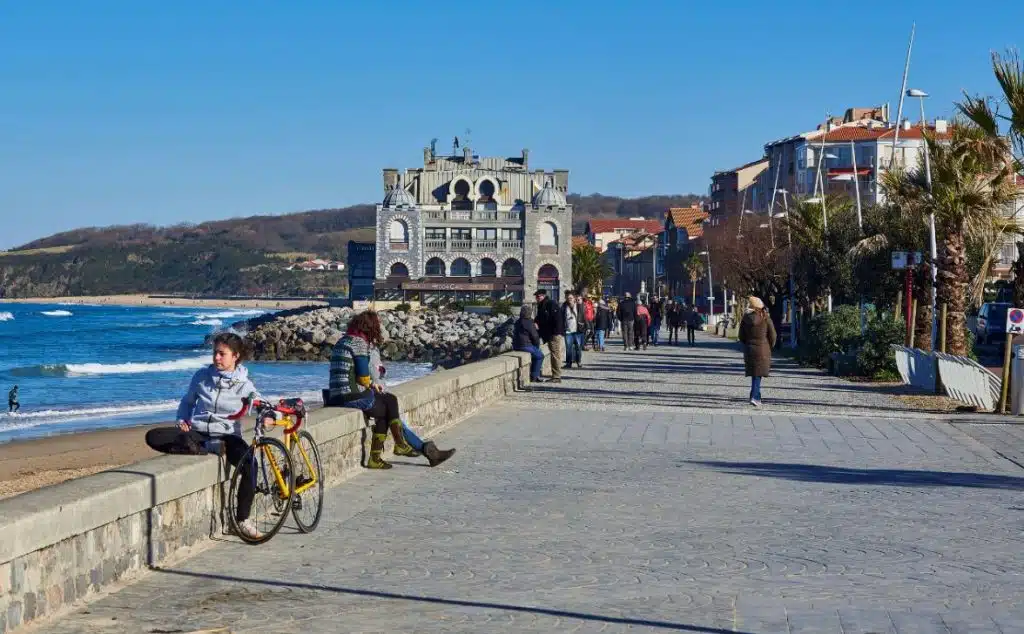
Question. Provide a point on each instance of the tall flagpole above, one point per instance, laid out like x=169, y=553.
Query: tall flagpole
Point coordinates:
x=903, y=93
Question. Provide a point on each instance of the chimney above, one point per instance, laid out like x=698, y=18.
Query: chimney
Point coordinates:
x=906, y=124
x=941, y=126
x=526, y=160
x=467, y=155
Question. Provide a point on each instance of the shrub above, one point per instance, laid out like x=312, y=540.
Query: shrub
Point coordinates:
x=875, y=358
x=501, y=307
x=838, y=331
x=403, y=308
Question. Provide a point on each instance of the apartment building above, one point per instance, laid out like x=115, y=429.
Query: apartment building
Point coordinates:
x=469, y=228
x=733, y=190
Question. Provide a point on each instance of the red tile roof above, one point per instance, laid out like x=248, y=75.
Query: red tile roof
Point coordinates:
x=858, y=133
x=580, y=241
x=603, y=225
x=689, y=218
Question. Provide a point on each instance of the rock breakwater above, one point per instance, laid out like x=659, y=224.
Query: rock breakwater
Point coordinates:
x=445, y=338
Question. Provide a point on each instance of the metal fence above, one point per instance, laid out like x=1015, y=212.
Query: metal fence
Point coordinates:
x=961, y=378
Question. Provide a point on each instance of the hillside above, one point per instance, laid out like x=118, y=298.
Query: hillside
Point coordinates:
x=236, y=256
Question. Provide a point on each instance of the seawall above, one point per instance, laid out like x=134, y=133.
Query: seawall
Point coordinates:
x=68, y=542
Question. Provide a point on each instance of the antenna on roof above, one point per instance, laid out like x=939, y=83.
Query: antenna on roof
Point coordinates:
x=467, y=140
x=433, y=147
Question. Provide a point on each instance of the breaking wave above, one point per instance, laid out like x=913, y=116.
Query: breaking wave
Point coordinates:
x=207, y=322
x=89, y=369
x=57, y=313
x=6, y=316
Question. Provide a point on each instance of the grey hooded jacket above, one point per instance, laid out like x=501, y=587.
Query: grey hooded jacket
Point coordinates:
x=213, y=396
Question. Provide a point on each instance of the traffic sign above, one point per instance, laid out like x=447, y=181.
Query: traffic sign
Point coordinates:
x=1015, y=321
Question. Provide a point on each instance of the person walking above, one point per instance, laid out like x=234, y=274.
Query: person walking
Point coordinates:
x=627, y=317
x=693, y=322
x=673, y=317
x=602, y=323
x=589, y=316
x=551, y=326
x=655, y=327
x=12, y=400
x=757, y=334
x=525, y=338
x=641, y=324
x=574, y=329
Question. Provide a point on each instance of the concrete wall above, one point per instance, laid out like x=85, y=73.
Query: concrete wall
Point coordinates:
x=65, y=543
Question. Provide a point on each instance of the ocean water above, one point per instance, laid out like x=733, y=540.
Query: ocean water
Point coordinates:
x=97, y=367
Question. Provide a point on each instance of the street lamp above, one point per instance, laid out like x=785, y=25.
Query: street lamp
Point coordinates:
x=921, y=96
x=711, y=288
x=792, y=292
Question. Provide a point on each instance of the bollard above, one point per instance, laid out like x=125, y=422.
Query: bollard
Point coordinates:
x=1006, y=373
x=911, y=331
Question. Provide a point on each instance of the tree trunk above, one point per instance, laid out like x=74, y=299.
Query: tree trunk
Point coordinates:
x=952, y=290
x=922, y=280
x=1018, y=277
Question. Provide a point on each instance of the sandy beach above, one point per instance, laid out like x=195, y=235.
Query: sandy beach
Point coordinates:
x=149, y=300
x=30, y=464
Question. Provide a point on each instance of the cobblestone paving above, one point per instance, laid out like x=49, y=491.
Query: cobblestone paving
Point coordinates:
x=580, y=508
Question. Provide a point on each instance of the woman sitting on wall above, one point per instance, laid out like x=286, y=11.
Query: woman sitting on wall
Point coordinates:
x=356, y=381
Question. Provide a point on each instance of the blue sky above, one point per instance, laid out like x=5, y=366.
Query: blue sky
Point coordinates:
x=122, y=112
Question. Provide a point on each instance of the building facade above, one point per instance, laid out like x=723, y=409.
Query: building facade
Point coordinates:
x=468, y=228
x=601, y=232
x=733, y=190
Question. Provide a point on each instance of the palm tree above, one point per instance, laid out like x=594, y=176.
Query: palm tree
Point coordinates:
x=971, y=184
x=589, y=268
x=1009, y=72
x=694, y=267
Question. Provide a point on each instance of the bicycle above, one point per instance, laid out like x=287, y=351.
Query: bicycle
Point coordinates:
x=272, y=466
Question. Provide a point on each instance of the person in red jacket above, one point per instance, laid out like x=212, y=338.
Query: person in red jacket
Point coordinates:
x=589, y=317
x=640, y=328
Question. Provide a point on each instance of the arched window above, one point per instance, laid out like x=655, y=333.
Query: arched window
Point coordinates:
x=512, y=268
x=399, y=270
x=461, y=200
x=547, y=273
x=460, y=268
x=399, y=231
x=486, y=199
x=435, y=267
x=548, y=237
x=488, y=268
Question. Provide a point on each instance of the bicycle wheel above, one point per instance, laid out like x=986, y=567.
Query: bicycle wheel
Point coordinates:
x=307, y=506
x=270, y=465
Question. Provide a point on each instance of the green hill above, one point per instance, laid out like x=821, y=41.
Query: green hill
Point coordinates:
x=236, y=256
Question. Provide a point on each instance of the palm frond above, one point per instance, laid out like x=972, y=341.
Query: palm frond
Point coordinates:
x=870, y=246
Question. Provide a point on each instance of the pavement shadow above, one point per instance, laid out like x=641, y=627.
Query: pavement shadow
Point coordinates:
x=873, y=477
x=463, y=603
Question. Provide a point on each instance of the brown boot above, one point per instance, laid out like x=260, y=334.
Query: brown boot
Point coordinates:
x=434, y=455
x=402, y=447
x=376, y=448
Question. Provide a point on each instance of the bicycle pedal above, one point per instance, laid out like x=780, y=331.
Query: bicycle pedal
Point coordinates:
x=297, y=503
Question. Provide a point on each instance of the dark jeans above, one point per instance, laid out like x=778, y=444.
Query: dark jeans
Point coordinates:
x=13, y=406
x=640, y=334
x=385, y=409
x=755, y=388
x=673, y=334
x=536, y=361
x=573, y=348
x=590, y=337
x=174, y=441
x=627, y=334
x=653, y=332
x=691, y=337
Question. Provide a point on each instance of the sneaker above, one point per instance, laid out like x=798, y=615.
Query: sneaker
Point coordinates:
x=555, y=380
x=247, y=528
x=755, y=402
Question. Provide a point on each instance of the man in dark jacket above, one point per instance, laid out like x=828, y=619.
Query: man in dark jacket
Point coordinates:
x=525, y=338
x=602, y=323
x=627, y=314
x=693, y=322
x=551, y=327
x=674, y=319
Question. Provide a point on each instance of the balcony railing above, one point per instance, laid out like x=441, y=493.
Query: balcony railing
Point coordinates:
x=459, y=215
x=474, y=246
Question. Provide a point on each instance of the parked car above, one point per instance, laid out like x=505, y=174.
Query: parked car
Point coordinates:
x=991, y=321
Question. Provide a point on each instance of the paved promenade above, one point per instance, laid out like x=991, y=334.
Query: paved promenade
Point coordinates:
x=642, y=494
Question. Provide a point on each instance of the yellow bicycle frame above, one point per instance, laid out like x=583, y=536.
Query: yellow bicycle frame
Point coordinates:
x=287, y=422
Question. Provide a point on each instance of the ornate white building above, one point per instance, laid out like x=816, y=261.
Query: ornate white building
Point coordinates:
x=469, y=228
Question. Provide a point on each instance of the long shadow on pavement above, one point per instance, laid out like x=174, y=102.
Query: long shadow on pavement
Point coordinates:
x=876, y=477
x=583, y=616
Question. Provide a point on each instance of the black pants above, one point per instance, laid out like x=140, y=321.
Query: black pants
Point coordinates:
x=673, y=334
x=385, y=409
x=640, y=334
x=174, y=441
x=13, y=406
x=627, y=334
x=690, y=337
